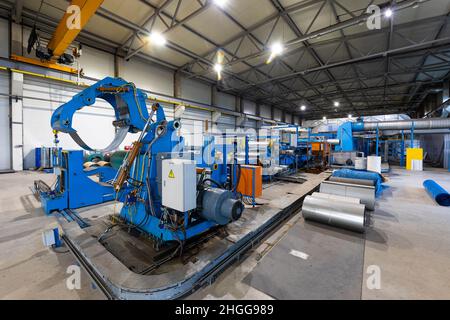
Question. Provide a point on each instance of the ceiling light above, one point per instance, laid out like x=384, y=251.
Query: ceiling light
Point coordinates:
x=221, y=3
x=303, y=108
x=218, y=68
x=388, y=13
x=337, y=104
x=275, y=50
x=158, y=39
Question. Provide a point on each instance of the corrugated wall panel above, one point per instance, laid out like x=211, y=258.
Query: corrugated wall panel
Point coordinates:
x=225, y=122
x=226, y=101
x=249, y=107
x=5, y=132
x=148, y=76
x=277, y=114
x=195, y=91
x=266, y=112
x=193, y=123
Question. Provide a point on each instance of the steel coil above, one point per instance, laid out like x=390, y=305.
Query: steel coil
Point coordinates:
x=341, y=214
x=365, y=193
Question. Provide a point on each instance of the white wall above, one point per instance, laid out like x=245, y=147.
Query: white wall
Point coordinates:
x=97, y=64
x=225, y=101
x=277, y=114
x=249, y=107
x=288, y=118
x=195, y=91
x=147, y=76
x=265, y=112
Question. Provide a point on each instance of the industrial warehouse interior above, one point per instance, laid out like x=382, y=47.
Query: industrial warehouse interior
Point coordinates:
x=225, y=150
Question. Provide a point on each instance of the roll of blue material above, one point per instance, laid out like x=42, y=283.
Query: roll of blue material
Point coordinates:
x=439, y=194
x=361, y=175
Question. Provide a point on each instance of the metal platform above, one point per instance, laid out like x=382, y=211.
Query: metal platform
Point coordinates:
x=123, y=264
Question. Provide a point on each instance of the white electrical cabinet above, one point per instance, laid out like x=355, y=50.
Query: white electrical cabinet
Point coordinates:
x=179, y=184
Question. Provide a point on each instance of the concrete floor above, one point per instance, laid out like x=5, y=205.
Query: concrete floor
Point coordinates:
x=409, y=241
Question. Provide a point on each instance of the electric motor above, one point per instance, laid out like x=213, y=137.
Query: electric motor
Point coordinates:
x=220, y=206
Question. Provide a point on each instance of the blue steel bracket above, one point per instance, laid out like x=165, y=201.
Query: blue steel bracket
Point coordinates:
x=79, y=190
x=127, y=101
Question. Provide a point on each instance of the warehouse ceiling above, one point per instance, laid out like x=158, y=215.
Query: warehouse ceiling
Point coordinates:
x=331, y=62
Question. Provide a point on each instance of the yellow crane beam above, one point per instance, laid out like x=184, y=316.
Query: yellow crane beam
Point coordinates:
x=66, y=32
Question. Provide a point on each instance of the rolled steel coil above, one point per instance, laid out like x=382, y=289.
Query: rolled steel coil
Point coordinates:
x=341, y=214
x=365, y=193
x=335, y=197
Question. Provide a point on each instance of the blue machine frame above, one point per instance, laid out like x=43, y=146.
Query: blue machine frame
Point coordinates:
x=74, y=187
x=141, y=194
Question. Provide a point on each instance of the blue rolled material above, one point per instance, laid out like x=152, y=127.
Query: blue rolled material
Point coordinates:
x=361, y=175
x=439, y=194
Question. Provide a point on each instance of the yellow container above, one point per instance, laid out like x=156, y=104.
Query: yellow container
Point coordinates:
x=413, y=154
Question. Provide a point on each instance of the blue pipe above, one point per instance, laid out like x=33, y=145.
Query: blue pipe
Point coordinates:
x=439, y=194
x=358, y=126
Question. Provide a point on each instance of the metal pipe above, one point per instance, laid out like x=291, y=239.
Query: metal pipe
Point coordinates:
x=340, y=214
x=417, y=132
x=420, y=124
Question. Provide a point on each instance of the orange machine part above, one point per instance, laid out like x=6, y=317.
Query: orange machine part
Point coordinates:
x=246, y=182
x=316, y=146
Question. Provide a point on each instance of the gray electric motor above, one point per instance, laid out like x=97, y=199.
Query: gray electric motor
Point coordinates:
x=220, y=206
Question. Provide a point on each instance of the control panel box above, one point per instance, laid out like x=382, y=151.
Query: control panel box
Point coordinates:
x=179, y=184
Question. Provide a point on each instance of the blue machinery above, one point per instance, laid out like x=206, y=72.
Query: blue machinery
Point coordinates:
x=141, y=181
x=74, y=187
x=345, y=141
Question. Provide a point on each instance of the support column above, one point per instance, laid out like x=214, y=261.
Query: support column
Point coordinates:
x=177, y=84
x=213, y=95
x=117, y=65
x=17, y=121
x=258, y=110
x=16, y=39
